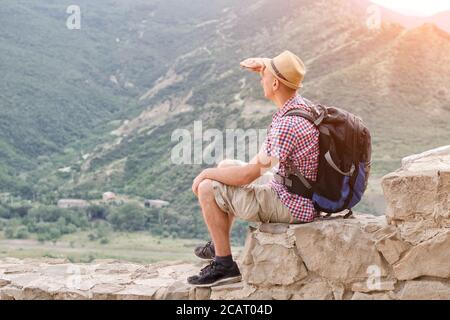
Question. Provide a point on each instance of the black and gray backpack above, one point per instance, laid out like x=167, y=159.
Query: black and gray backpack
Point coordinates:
x=344, y=161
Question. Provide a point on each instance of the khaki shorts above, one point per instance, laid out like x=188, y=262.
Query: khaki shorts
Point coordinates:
x=256, y=202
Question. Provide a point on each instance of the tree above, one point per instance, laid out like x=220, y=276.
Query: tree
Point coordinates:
x=129, y=217
x=97, y=212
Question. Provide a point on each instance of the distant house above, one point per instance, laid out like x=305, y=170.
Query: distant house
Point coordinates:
x=109, y=196
x=72, y=203
x=155, y=203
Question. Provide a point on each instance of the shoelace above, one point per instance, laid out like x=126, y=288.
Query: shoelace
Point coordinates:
x=207, y=246
x=208, y=268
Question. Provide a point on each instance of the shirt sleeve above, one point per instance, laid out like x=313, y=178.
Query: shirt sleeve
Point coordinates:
x=281, y=140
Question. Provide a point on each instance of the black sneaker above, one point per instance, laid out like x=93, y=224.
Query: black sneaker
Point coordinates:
x=206, y=251
x=216, y=274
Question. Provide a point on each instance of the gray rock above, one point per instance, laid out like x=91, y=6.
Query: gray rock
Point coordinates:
x=315, y=290
x=425, y=290
x=430, y=258
x=373, y=296
x=338, y=250
x=274, y=265
x=419, y=190
x=391, y=245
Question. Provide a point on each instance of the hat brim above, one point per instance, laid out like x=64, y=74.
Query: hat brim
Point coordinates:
x=268, y=64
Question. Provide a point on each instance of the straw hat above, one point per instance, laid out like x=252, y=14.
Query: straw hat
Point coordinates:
x=288, y=68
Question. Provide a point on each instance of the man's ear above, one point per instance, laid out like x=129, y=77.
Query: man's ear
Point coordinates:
x=275, y=84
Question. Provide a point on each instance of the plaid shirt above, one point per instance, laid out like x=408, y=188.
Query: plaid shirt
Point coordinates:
x=297, y=139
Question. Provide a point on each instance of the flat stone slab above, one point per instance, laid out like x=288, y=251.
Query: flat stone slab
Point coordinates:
x=110, y=280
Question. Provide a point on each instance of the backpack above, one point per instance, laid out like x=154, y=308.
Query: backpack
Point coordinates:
x=344, y=161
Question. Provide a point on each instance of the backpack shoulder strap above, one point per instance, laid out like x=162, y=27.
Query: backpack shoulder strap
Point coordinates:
x=316, y=120
x=300, y=113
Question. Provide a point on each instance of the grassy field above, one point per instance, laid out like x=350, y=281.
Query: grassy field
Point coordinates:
x=137, y=247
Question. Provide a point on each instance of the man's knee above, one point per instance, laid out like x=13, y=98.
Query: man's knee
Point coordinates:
x=205, y=189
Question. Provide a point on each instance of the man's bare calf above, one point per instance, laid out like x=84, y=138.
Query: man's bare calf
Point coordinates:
x=218, y=222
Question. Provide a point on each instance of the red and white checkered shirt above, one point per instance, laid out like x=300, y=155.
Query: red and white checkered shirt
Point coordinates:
x=296, y=139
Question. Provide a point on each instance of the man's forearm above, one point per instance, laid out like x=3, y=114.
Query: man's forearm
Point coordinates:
x=234, y=176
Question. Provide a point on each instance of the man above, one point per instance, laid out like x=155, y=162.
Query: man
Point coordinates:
x=227, y=192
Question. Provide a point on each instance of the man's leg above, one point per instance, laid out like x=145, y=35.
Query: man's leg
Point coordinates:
x=218, y=222
x=206, y=251
x=223, y=269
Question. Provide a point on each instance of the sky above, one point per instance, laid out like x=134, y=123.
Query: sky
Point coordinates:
x=415, y=7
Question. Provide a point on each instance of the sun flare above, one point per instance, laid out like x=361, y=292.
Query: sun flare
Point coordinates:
x=415, y=7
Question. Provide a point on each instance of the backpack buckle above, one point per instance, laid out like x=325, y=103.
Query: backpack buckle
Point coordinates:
x=283, y=180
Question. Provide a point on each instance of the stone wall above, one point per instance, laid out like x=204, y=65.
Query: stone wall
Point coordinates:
x=360, y=258
x=403, y=255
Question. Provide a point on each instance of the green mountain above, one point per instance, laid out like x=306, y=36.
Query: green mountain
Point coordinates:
x=92, y=110
x=62, y=86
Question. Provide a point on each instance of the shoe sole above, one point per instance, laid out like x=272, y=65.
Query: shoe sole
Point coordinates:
x=205, y=259
x=220, y=282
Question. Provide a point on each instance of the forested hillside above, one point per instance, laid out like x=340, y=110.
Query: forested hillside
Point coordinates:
x=101, y=103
